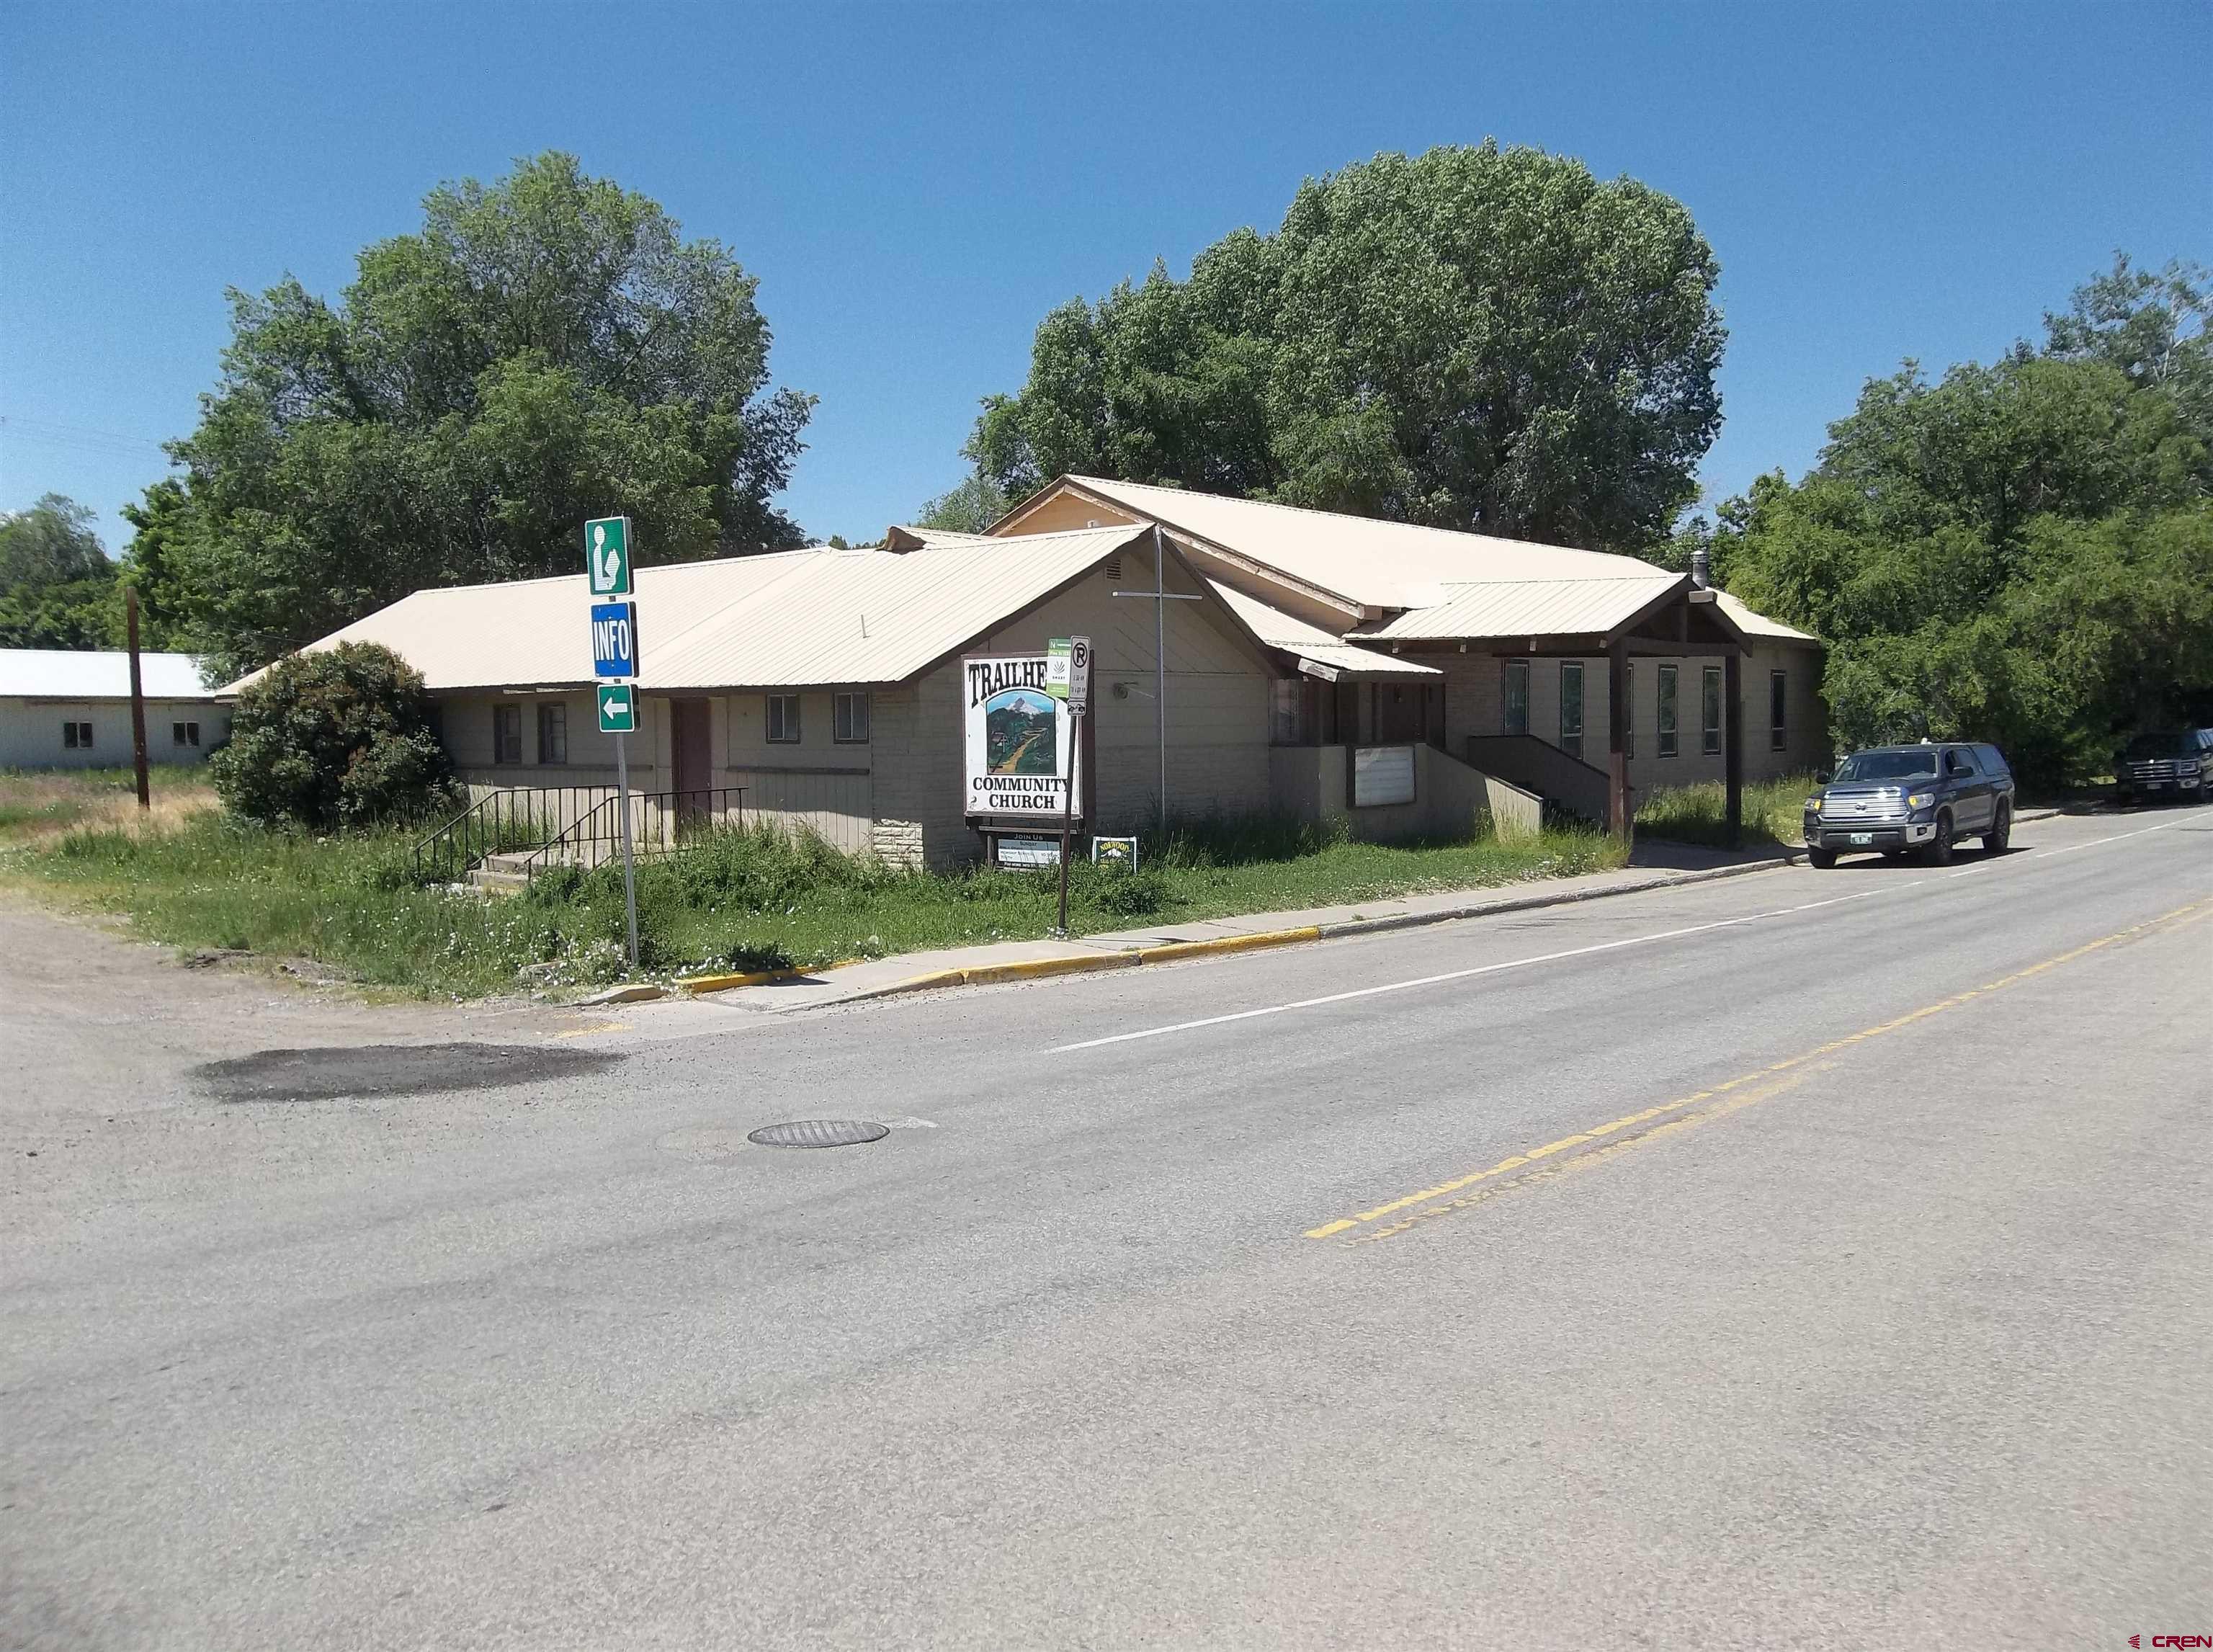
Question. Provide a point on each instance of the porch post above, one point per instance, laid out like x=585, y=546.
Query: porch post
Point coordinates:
x=1616, y=743
x=1733, y=743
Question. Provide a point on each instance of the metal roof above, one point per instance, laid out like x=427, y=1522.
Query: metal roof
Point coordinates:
x=98, y=674
x=1374, y=564
x=1758, y=624
x=1533, y=607
x=1294, y=637
x=786, y=619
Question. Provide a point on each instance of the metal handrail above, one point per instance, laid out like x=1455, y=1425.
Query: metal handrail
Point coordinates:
x=508, y=818
x=670, y=816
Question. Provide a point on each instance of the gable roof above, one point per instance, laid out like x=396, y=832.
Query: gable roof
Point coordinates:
x=1477, y=610
x=784, y=619
x=1292, y=636
x=98, y=674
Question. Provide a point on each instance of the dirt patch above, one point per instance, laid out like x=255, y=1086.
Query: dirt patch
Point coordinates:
x=375, y=1070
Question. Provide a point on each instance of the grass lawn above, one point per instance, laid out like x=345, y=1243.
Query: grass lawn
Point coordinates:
x=1774, y=811
x=751, y=899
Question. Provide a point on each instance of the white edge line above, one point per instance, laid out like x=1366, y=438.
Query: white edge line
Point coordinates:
x=1551, y=957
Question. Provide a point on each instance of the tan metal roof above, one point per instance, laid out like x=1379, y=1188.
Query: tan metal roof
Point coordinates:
x=1758, y=624
x=1294, y=637
x=1533, y=607
x=791, y=619
x=1376, y=564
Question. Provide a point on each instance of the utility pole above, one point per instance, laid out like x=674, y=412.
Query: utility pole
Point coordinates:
x=1160, y=596
x=138, y=700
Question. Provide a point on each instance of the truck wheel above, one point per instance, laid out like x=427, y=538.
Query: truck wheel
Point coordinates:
x=1939, y=847
x=1996, y=840
x=1820, y=859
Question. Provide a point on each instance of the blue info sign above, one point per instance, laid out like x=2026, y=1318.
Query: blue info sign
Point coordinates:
x=614, y=639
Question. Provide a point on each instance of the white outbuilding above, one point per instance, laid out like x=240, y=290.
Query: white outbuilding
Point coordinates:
x=71, y=709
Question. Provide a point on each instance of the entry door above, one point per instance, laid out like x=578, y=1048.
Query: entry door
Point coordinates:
x=692, y=743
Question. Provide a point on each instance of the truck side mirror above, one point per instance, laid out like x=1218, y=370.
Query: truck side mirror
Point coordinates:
x=1822, y=778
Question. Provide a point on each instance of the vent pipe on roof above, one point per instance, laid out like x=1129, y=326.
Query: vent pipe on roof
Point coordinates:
x=1701, y=576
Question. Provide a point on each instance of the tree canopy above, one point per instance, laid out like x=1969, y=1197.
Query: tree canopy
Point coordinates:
x=545, y=348
x=1473, y=338
x=57, y=586
x=2021, y=551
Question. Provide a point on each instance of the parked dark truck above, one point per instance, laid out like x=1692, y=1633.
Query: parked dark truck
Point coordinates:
x=2172, y=763
x=1898, y=800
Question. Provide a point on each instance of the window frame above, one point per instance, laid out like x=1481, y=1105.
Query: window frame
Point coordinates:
x=771, y=719
x=1513, y=710
x=507, y=720
x=1583, y=720
x=1668, y=719
x=1629, y=711
x=841, y=724
x=552, y=733
x=185, y=733
x=76, y=735
x=1710, y=700
x=1778, y=711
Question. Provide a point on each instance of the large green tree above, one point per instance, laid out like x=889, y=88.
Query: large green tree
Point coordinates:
x=1482, y=338
x=545, y=348
x=2021, y=551
x=56, y=585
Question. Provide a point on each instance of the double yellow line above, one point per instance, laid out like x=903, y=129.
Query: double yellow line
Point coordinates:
x=1736, y=1092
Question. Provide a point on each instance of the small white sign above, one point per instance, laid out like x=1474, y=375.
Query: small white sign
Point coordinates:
x=1382, y=775
x=1029, y=852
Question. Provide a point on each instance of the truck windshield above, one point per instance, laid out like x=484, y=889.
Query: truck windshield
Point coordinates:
x=2168, y=743
x=1890, y=765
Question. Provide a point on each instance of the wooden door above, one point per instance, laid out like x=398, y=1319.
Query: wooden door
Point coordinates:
x=692, y=746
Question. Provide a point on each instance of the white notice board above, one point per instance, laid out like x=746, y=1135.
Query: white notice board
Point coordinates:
x=1382, y=774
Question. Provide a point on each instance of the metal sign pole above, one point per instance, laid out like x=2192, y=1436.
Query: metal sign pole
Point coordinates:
x=630, y=875
x=1068, y=813
x=1161, y=667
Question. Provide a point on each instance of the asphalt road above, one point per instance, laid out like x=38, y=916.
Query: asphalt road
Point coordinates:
x=1805, y=1260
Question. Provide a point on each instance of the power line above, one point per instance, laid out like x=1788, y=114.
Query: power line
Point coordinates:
x=115, y=443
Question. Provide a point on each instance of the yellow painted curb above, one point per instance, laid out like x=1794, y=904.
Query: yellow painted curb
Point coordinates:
x=1032, y=969
x=756, y=978
x=1175, y=949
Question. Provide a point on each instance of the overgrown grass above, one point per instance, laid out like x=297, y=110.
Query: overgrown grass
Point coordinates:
x=1774, y=811
x=748, y=899
x=38, y=805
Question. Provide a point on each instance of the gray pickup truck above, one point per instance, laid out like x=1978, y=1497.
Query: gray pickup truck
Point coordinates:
x=1901, y=800
x=2174, y=763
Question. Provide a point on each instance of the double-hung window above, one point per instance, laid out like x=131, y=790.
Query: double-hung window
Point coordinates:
x=1668, y=745
x=1710, y=711
x=554, y=732
x=849, y=718
x=77, y=736
x=507, y=733
x=1778, y=711
x=184, y=733
x=783, y=719
x=1514, y=697
x=1571, y=707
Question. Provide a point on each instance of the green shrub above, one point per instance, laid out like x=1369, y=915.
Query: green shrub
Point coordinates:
x=340, y=738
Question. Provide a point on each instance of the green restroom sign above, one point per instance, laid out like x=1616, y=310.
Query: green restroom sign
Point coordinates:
x=607, y=555
x=617, y=709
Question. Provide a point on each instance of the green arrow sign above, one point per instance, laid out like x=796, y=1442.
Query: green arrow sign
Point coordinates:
x=607, y=555
x=617, y=709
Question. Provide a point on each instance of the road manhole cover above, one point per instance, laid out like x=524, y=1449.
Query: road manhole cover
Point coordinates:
x=820, y=1132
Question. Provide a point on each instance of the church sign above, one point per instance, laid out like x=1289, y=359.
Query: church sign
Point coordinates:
x=1020, y=740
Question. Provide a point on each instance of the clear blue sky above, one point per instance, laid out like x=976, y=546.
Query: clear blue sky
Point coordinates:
x=916, y=185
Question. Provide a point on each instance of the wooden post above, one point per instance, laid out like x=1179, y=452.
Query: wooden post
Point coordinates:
x=1616, y=738
x=1733, y=743
x=138, y=699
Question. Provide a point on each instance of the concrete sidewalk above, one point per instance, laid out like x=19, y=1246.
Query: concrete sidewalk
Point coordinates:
x=1656, y=866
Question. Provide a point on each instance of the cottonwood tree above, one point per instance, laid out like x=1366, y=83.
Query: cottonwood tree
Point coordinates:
x=57, y=584
x=545, y=348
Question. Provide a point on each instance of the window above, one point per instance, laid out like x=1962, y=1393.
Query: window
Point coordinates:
x=1514, y=697
x=77, y=736
x=849, y=719
x=1958, y=763
x=783, y=719
x=1778, y=711
x=554, y=732
x=1710, y=712
x=1287, y=709
x=507, y=733
x=1571, y=707
x=1668, y=710
x=184, y=733
x=1629, y=710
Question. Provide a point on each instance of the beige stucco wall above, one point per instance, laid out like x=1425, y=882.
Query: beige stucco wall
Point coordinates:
x=31, y=732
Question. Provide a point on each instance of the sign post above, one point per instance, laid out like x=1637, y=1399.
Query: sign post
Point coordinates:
x=614, y=654
x=1068, y=677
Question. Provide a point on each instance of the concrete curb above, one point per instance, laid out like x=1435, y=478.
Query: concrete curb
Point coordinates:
x=757, y=978
x=1172, y=952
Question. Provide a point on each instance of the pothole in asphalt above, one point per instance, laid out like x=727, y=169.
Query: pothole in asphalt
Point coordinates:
x=820, y=1132
x=373, y=1070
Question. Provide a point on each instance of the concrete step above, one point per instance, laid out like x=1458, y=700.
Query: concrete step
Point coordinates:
x=498, y=880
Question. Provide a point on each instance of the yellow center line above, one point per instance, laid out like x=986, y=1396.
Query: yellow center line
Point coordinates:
x=1536, y=1155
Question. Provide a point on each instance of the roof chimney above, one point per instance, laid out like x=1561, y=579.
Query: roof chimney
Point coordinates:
x=1700, y=577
